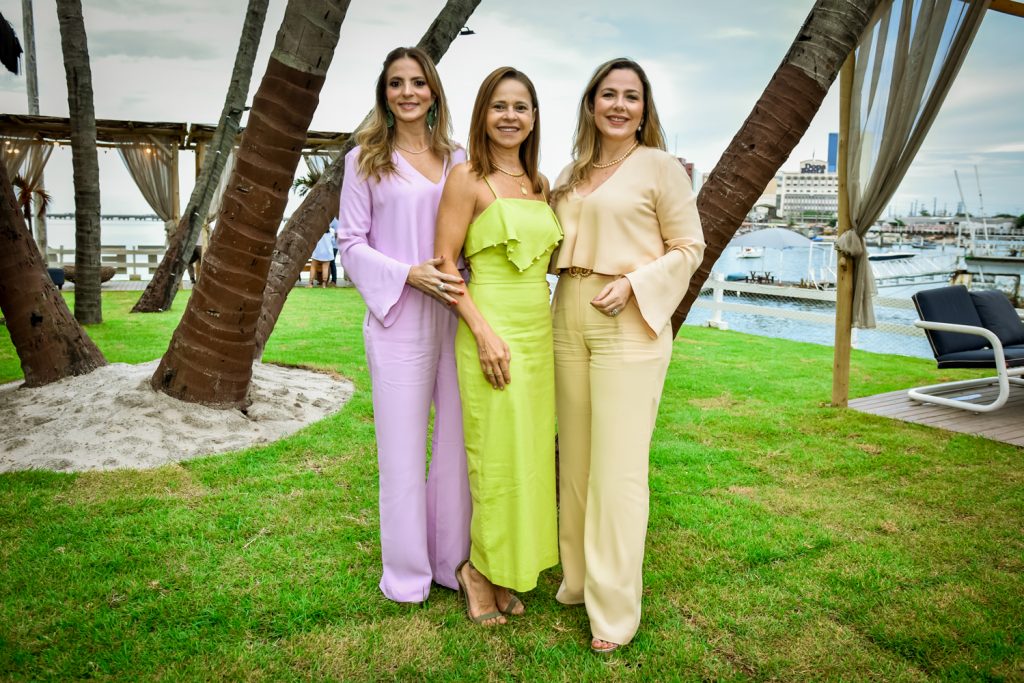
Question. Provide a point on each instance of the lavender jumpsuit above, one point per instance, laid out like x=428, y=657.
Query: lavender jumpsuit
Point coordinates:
x=384, y=228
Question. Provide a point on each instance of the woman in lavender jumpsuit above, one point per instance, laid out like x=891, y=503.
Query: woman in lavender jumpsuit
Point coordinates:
x=389, y=199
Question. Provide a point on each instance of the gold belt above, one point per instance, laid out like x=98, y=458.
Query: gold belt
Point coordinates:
x=574, y=271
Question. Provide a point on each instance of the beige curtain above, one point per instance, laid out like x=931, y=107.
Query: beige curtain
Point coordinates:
x=218, y=195
x=905, y=64
x=217, y=200
x=150, y=162
x=26, y=157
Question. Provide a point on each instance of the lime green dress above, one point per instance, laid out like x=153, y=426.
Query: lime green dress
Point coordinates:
x=510, y=434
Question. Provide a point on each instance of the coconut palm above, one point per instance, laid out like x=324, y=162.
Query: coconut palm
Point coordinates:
x=209, y=359
x=776, y=124
x=84, y=161
x=29, y=196
x=303, y=184
x=49, y=341
x=306, y=225
x=160, y=291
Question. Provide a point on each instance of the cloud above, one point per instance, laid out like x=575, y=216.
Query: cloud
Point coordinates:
x=154, y=7
x=12, y=83
x=732, y=32
x=1005, y=148
x=148, y=44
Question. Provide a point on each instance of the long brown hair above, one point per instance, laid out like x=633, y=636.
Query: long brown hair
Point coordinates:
x=377, y=140
x=586, y=146
x=478, y=146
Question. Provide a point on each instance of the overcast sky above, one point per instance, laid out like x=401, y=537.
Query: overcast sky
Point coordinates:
x=157, y=60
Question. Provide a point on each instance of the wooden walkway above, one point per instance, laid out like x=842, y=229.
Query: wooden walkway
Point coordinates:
x=1005, y=424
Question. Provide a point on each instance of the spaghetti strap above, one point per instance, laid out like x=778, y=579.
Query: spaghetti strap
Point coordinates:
x=492, y=188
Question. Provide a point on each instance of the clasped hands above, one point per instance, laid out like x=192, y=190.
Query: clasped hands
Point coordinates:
x=436, y=283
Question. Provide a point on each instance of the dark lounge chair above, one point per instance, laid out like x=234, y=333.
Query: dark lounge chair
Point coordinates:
x=971, y=330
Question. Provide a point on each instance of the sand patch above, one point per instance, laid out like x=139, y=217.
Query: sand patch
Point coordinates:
x=112, y=419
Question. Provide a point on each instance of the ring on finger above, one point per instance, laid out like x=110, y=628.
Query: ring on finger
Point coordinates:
x=441, y=287
x=614, y=312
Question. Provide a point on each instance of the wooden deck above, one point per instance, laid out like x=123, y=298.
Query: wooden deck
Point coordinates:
x=1005, y=424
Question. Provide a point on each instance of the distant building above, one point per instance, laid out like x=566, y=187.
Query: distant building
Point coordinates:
x=810, y=194
x=688, y=165
x=833, y=152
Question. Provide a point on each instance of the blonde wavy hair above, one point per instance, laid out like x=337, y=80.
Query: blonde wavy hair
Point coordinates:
x=586, y=146
x=377, y=140
x=478, y=146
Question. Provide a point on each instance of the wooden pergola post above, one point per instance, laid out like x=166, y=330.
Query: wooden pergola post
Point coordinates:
x=200, y=154
x=175, y=190
x=204, y=233
x=844, y=271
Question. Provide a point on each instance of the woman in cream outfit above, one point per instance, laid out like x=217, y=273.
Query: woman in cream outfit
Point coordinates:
x=632, y=241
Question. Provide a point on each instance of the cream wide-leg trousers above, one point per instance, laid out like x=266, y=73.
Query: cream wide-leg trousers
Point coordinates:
x=609, y=375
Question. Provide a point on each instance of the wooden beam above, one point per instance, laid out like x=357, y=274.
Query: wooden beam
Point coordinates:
x=114, y=132
x=1008, y=7
x=844, y=271
x=108, y=131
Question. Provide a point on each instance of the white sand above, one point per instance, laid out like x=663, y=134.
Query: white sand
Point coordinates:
x=112, y=419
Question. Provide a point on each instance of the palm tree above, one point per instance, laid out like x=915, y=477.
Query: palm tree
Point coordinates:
x=778, y=121
x=29, y=195
x=49, y=341
x=303, y=184
x=84, y=161
x=209, y=359
x=306, y=225
x=160, y=291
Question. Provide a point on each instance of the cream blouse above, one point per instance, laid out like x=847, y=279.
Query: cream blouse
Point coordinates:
x=641, y=223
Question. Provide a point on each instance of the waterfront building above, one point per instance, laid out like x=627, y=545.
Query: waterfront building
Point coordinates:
x=810, y=194
x=691, y=172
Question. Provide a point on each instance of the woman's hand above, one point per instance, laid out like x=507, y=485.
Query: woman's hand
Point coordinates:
x=614, y=297
x=432, y=282
x=494, y=359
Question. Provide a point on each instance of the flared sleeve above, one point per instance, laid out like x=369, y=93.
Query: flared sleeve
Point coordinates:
x=660, y=285
x=379, y=278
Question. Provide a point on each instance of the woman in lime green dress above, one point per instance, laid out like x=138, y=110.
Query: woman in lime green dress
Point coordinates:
x=494, y=213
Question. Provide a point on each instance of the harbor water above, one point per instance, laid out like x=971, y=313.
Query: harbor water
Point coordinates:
x=894, y=334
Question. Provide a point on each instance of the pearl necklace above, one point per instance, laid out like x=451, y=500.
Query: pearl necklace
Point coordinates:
x=510, y=174
x=620, y=159
x=421, y=151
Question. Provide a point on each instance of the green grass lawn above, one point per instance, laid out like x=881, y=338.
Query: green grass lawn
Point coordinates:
x=788, y=540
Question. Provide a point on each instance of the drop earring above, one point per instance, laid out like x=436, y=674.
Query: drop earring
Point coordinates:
x=432, y=115
x=389, y=119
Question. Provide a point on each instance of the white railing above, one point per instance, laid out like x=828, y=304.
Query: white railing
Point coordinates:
x=802, y=314
x=921, y=267
x=137, y=263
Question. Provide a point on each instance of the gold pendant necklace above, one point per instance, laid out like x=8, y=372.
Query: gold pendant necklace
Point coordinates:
x=518, y=176
x=620, y=159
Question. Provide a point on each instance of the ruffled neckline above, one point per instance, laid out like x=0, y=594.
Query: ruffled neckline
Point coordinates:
x=494, y=226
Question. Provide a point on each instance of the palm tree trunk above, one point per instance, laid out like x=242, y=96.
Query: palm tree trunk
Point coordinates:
x=85, y=164
x=159, y=294
x=779, y=119
x=306, y=225
x=209, y=359
x=49, y=341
